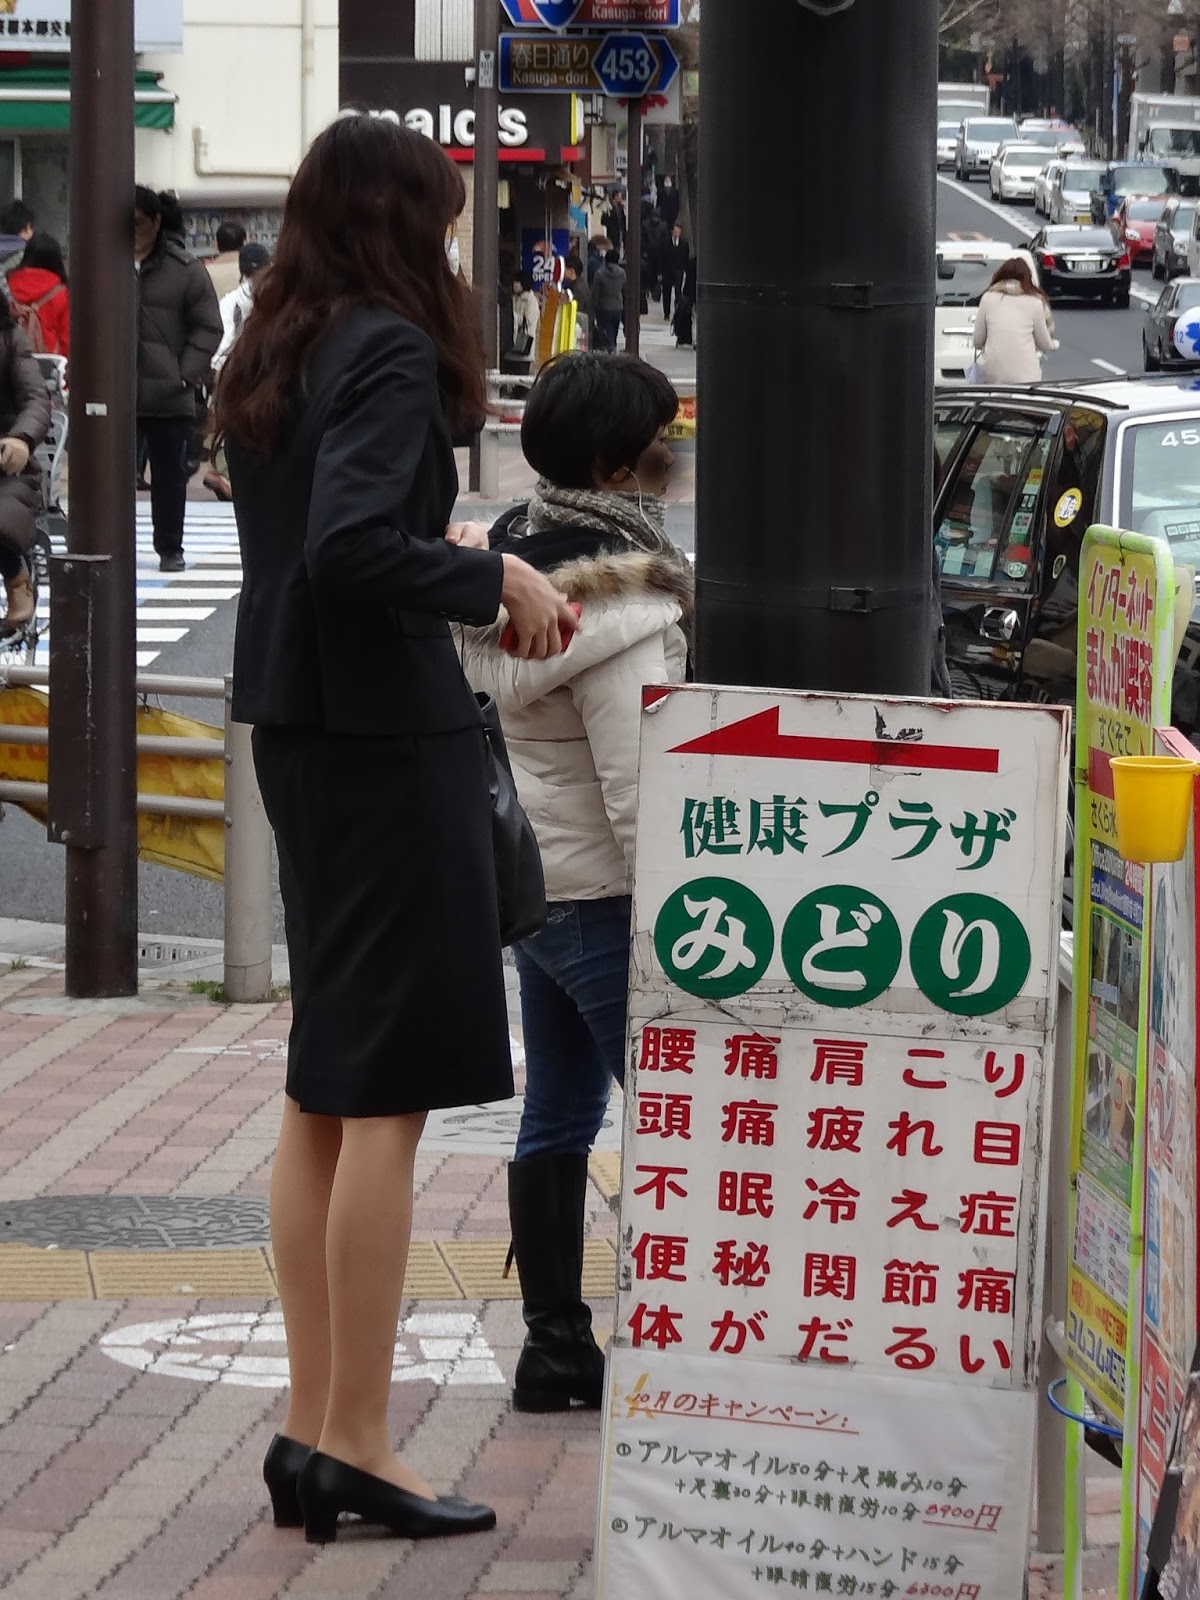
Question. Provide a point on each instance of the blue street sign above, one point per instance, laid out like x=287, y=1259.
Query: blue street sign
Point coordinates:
x=556, y=13
x=598, y=14
x=626, y=65
x=668, y=64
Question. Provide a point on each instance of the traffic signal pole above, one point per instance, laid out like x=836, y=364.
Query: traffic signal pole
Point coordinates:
x=633, y=231
x=485, y=249
x=93, y=776
x=816, y=346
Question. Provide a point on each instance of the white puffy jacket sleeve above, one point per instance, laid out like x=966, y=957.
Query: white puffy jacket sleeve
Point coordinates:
x=608, y=698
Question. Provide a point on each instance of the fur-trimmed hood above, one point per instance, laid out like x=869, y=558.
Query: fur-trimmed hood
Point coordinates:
x=627, y=597
x=610, y=579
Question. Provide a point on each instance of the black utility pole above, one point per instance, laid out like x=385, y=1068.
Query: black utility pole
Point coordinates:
x=93, y=774
x=485, y=251
x=816, y=350
x=633, y=233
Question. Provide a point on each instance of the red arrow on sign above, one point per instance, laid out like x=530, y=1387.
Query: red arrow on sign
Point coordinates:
x=759, y=736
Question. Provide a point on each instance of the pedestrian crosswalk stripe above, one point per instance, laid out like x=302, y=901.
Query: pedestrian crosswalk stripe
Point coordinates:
x=213, y=574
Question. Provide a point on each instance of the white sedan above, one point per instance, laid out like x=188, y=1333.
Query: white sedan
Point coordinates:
x=1015, y=168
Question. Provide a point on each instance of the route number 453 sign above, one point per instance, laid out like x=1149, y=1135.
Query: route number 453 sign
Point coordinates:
x=842, y=997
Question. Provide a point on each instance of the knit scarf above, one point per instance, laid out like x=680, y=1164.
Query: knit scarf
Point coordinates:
x=638, y=519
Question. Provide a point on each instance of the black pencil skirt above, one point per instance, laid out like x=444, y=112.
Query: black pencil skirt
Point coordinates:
x=389, y=894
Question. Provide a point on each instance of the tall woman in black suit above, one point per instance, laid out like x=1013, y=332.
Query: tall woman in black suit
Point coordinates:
x=338, y=405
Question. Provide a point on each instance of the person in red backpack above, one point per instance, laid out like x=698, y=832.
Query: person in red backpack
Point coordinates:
x=41, y=301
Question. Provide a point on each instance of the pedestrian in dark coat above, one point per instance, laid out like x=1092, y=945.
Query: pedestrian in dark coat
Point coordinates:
x=179, y=330
x=372, y=762
x=598, y=247
x=608, y=303
x=615, y=222
x=675, y=261
x=655, y=240
x=668, y=202
x=24, y=423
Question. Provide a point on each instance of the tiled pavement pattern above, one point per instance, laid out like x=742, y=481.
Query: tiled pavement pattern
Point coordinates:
x=140, y=1386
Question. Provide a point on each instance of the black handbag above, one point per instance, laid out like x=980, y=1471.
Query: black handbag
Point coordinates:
x=520, y=883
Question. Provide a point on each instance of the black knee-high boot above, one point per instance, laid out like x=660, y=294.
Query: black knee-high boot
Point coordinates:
x=561, y=1363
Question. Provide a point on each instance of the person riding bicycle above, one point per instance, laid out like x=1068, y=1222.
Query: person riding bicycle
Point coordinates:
x=24, y=423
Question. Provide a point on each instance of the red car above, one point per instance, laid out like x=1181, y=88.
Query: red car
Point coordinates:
x=1134, y=223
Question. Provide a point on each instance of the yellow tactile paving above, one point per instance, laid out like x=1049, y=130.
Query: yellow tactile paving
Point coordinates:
x=27, y=1273
x=478, y=1264
x=428, y=1277
x=605, y=1172
x=455, y=1269
x=138, y=1274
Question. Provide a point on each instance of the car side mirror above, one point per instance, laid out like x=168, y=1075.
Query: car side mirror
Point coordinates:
x=998, y=623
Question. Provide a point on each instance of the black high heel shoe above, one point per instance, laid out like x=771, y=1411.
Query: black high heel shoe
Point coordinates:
x=281, y=1468
x=328, y=1487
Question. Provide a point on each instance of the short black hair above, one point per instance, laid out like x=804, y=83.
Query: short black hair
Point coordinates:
x=230, y=236
x=253, y=258
x=612, y=258
x=146, y=201
x=170, y=211
x=590, y=414
x=16, y=217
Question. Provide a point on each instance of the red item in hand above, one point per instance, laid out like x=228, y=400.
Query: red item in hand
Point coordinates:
x=508, y=639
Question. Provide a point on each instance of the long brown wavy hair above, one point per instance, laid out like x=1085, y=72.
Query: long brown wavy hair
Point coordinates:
x=1016, y=270
x=365, y=224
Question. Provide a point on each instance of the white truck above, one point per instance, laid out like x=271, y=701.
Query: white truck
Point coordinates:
x=959, y=100
x=1166, y=128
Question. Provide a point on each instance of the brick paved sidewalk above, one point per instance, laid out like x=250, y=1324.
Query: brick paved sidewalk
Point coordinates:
x=141, y=1363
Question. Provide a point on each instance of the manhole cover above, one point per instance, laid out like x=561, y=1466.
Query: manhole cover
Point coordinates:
x=135, y=1222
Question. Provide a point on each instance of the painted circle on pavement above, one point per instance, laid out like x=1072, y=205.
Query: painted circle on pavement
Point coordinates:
x=841, y=946
x=970, y=955
x=714, y=938
x=247, y=1349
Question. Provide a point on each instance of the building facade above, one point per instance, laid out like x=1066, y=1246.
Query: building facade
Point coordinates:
x=416, y=58
x=229, y=95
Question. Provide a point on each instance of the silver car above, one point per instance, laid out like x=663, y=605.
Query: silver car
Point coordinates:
x=1071, y=197
x=1043, y=186
x=978, y=140
x=1171, y=238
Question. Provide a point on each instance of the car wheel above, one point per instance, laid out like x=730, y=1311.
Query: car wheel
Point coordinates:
x=1149, y=363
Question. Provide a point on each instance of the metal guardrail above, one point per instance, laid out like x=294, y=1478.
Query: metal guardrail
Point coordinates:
x=248, y=973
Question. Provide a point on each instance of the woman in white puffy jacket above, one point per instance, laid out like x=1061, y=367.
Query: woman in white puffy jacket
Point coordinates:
x=594, y=428
x=1013, y=326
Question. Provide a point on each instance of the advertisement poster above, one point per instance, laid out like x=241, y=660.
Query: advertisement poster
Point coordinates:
x=1166, y=1327
x=1127, y=588
x=726, y=1478
x=843, y=989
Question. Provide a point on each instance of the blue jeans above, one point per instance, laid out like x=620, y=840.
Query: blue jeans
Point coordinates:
x=574, y=976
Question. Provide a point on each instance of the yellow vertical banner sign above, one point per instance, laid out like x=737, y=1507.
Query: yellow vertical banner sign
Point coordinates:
x=1127, y=597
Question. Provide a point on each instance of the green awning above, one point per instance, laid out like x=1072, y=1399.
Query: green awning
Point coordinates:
x=38, y=100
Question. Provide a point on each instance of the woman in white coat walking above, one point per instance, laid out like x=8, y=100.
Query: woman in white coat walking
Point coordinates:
x=594, y=428
x=1013, y=326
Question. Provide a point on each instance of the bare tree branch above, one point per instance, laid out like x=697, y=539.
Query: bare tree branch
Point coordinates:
x=949, y=21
